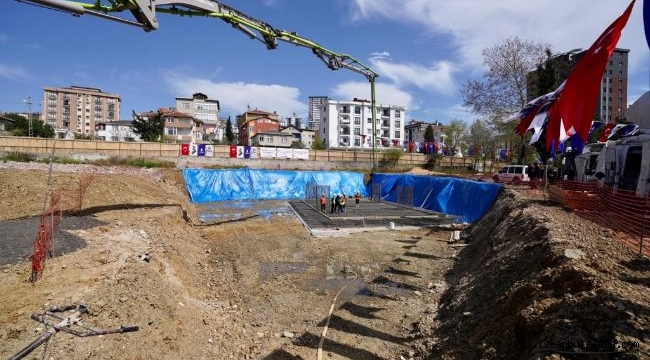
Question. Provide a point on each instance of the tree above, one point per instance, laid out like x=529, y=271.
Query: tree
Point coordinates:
x=230, y=137
x=455, y=132
x=317, y=145
x=428, y=134
x=297, y=144
x=483, y=141
x=151, y=128
x=20, y=127
x=503, y=89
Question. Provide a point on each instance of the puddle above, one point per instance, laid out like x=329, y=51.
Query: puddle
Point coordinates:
x=274, y=269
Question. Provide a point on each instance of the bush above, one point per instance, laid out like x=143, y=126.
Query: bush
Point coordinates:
x=20, y=157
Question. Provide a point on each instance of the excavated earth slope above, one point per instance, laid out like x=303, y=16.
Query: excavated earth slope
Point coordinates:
x=538, y=282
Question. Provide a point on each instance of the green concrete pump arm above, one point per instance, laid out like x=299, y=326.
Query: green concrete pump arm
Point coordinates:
x=145, y=13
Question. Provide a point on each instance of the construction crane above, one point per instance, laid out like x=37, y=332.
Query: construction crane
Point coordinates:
x=144, y=12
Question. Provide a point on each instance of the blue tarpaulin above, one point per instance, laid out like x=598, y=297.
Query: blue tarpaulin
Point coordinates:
x=465, y=198
x=208, y=185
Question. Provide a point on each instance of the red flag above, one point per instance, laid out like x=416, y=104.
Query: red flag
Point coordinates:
x=574, y=110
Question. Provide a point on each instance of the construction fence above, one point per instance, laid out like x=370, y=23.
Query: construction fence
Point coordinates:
x=613, y=208
x=62, y=147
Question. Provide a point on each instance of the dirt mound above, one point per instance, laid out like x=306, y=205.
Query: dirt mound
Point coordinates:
x=542, y=283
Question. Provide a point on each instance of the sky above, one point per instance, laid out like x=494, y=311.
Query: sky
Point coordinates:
x=423, y=50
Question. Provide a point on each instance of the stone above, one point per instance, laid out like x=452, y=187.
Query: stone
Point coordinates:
x=287, y=334
x=574, y=254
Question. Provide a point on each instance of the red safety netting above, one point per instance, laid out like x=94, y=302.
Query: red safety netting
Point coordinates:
x=60, y=201
x=617, y=209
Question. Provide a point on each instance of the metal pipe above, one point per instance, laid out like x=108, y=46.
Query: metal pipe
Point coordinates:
x=374, y=123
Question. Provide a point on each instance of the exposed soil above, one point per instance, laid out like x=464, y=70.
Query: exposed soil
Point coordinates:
x=262, y=287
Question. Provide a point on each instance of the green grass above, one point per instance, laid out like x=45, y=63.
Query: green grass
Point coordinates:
x=20, y=157
x=135, y=162
x=63, y=160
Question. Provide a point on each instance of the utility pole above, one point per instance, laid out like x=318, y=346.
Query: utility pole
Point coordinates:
x=28, y=101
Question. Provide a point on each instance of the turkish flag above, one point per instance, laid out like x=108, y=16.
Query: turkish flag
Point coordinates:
x=573, y=111
x=233, y=151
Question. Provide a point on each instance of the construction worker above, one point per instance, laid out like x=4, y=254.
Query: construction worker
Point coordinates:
x=323, y=202
x=333, y=205
x=357, y=199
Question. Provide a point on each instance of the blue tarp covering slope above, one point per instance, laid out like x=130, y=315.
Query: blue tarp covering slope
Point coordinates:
x=207, y=185
x=465, y=198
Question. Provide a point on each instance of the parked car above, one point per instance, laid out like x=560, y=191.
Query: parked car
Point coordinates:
x=512, y=174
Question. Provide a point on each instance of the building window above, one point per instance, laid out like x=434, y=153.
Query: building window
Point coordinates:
x=397, y=134
x=369, y=121
x=345, y=109
x=385, y=112
x=261, y=138
x=357, y=142
x=170, y=120
x=357, y=109
x=357, y=131
x=397, y=113
x=283, y=139
x=357, y=120
x=397, y=123
x=172, y=131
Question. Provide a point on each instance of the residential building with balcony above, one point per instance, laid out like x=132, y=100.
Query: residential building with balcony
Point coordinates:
x=255, y=121
x=77, y=109
x=180, y=127
x=348, y=124
x=414, y=131
x=200, y=108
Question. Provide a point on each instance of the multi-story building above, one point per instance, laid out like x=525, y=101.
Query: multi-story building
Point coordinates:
x=203, y=109
x=293, y=120
x=612, y=99
x=348, y=124
x=271, y=139
x=254, y=121
x=315, y=105
x=305, y=136
x=180, y=127
x=121, y=130
x=78, y=109
x=414, y=131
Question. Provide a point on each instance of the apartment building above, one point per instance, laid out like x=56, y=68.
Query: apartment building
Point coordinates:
x=200, y=108
x=180, y=127
x=315, y=105
x=253, y=121
x=305, y=136
x=414, y=131
x=612, y=99
x=348, y=124
x=77, y=109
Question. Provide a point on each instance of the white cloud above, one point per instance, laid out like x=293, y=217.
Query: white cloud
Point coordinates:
x=437, y=78
x=14, y=72
x=473, y=26
x=234, y=97
x=386, y=94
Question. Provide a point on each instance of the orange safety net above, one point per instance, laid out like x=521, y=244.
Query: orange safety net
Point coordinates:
x=60, y=201
x=617, y=209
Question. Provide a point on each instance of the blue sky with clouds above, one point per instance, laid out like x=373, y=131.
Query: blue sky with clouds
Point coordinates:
x=423, y=51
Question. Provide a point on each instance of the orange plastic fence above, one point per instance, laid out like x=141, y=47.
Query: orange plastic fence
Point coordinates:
x=60, y=201
x=617, y=209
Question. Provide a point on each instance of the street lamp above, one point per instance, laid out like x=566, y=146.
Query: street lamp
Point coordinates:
x=28, y=101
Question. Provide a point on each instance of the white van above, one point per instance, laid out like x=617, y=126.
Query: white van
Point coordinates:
x=512, y=174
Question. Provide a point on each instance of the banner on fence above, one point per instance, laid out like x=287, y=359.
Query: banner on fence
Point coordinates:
x=209, y=150
x=185, y=149
x=193, y=149
x=240, y=152
x=233, y=151
x=247, y=152
x=301, y=154
x=255, y=154
x=201, y=150
x=282, y=153
x=267, y=152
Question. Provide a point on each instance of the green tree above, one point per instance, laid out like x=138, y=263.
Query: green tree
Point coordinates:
x=151, y=128
x=504, y=88
x=483, y=141
x=317, y=145
x=428, y=134
x=297, y=144
x=20, y=127
x=455, y=132
x=230, y=136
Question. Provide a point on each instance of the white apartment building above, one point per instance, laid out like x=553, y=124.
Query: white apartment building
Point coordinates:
x=78, y=109
x=116, y=131
x=348, y=124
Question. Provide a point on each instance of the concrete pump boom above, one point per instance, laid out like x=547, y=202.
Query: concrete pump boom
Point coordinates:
x=144, y=12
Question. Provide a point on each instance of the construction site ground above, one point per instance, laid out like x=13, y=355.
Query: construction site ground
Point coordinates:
x=528, y=281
